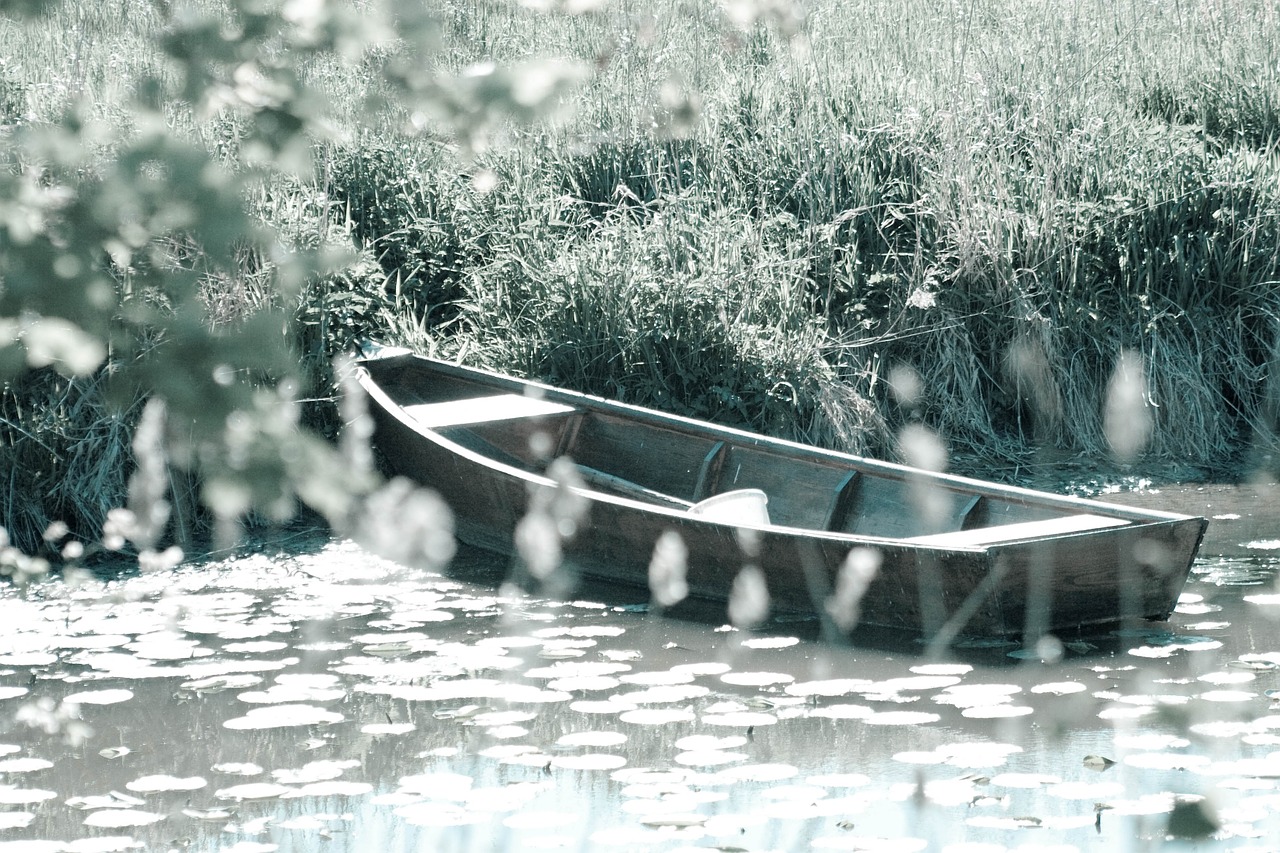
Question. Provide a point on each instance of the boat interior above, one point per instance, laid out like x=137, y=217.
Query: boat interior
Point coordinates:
x=672, y=463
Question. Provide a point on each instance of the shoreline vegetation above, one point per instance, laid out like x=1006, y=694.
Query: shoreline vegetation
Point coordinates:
x=1000, y=220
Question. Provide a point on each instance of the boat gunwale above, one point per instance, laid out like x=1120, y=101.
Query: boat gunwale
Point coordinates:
x=1138, y=518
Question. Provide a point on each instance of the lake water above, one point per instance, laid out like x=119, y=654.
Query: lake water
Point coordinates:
x=311, y=697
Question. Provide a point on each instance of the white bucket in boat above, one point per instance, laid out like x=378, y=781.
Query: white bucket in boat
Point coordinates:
x=743, y=507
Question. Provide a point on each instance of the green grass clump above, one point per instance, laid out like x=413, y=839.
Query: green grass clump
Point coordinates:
x=66, y=453
x=758, y=225
x=968, y=186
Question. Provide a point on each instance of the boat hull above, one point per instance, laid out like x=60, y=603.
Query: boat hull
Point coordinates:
x=1063, y=584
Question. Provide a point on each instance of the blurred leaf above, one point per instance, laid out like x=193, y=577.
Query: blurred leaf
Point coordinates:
x=1192, y=818
x=61, y=344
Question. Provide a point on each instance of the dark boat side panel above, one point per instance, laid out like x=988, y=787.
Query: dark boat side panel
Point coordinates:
x=1135, y=573
x=800, y=490
x=662, y=459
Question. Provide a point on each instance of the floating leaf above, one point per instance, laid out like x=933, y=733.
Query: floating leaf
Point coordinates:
x=1007, y=823
x=770, y=642
x=252, y=791
x=829, y=687
x=595, y=739
x=843, y=712
x=705, y=742
x=662, y=694
x=218, y=683
x=443, y=785
x=103, y=801
x=922, y=682
x=657, y=678
x=11, y=796
x=1060, y=688
x=292, y=693
x=462, y=713
x=99, y=697
x=238, y=769
x=757, y=773
x=584, y=683
x=1227, y=696
x=214, y=814
x=116, y=818
x=257, y=647
x=992, y=712
x=388, y=649
x=282, y=716
x=577, y=669
x=710, y=758
x=155, y=784
x=702, y=668
x=331, y=788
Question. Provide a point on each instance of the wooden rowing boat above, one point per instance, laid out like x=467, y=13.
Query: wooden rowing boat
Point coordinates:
x=937, y=554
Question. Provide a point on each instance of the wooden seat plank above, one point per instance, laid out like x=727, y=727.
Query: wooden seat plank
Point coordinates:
x=980, y=536
x=478, y=410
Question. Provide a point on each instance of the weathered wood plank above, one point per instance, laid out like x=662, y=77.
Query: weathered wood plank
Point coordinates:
x=597, y=479
x=980, y=536
x=476, y=410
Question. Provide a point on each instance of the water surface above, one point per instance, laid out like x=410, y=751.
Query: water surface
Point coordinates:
x=314, y=697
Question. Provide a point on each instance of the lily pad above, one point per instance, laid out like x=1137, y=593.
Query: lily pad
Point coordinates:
x=252, y=791
x=99, y=697
x=117, y=818
x=155, y=784
x=284, y=716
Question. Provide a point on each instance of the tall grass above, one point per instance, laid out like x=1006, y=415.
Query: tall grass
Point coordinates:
x=954, y=187
x=757, y=215
x=65, y=453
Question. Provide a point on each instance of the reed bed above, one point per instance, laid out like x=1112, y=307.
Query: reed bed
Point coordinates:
x=760, y=213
